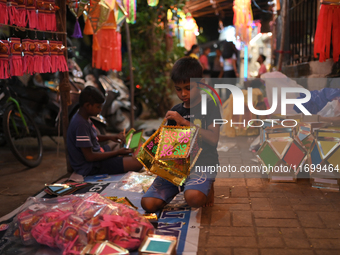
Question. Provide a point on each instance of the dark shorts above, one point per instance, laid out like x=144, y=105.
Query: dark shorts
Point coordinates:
x=166, y=191
x=113, y=165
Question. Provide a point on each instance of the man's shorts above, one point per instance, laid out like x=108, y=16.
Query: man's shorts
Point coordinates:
x=166, y=191
x=113, y=165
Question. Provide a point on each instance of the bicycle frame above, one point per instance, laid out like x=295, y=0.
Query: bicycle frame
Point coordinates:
x=11, y=99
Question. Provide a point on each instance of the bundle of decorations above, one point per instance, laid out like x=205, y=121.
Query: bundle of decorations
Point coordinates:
x=38, y=14
x=31, y=56
x=171, y=152
x=72, y=222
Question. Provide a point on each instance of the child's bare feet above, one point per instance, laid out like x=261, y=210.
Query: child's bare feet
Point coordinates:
x=210, y=198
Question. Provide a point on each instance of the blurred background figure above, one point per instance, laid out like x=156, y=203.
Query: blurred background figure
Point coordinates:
x=205, y=63
x=263, y=68
x=229, y=54
x=195, y=49
x=217, y=70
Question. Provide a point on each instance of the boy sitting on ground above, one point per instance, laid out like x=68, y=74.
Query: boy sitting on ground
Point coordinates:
x=86, y=155
x=198, y=188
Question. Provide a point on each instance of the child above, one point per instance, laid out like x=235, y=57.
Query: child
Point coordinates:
x=263, y=68
x=86, y=155
x=198, y=188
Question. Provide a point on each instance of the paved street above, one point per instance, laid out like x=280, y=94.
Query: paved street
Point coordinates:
x=250, y=216
x=254, y=217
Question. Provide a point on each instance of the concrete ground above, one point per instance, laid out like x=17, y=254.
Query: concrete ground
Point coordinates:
x=250, y=216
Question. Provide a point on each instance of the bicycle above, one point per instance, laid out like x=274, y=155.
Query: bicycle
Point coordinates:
x=20, y=131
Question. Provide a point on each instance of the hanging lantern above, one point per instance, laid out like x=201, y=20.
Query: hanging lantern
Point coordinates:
x=243, y=18
x=152, y=3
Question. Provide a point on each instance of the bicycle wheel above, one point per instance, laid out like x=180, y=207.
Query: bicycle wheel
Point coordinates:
x=24, y=140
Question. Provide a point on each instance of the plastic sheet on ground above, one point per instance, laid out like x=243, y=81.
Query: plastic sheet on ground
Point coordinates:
x=135, y=182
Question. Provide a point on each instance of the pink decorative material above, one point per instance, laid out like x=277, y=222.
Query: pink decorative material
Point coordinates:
x=184, y=137
x=170, y=136
x=167, y=150
x=72, y=222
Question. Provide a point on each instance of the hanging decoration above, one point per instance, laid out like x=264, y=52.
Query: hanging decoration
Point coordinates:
x=31, y=14
x=98, y=14
x=21, y=18
x=108, y=56
x=328, y=27
x=46, y=20
x=243, y=18
x=77, y=9
x=38, y=57
x=12, y=11
x=15, y=58
x=31, y=56
x=120, y=14
x=4, y=59
x=45, y=48
x=190, y=31
x=28, y=59
x=131, y=7
x=3, y=12
x=152, y=3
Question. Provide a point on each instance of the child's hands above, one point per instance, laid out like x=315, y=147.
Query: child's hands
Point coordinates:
x=173, y=115
x=120, y=138
x=124, y=151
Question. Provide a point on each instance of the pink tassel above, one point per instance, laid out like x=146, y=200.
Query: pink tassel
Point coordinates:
x=47, y=64
x=4, y=68
x=42, y=20
x=51, y=23
x=28, y=64
x=38, y=64
x=54, y=61
x=21, y=18
x=16, y=65
x=32, y=18
x=62, y=63
x=12, y=14
x=3, y=13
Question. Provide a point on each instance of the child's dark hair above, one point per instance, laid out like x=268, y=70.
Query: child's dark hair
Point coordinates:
x=91, y=95
x=263, y=57
x=184, y=69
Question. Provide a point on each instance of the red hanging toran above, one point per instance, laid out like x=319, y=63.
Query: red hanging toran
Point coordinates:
x=328, y=28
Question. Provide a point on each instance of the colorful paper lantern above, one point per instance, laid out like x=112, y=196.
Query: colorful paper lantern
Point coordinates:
x=170, y=155
x=243, y=18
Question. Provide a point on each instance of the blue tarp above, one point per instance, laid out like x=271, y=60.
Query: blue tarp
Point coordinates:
x=319, y=99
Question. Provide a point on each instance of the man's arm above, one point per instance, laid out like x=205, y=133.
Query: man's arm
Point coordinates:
x=91, y=156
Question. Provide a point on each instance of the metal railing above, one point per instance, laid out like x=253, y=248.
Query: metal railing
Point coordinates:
x=302, y=15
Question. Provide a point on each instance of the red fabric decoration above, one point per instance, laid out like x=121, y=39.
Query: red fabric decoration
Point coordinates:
x=28, y=60
x=45, y=48
x=54, y=56
x=15, y=59
x=109, y=56
x=12, y=12
x=21, y=18
x=61, y=61
x=31, y=14
x=4, y=59
x=38, y=57
x=46, y=15
x=3, y=12
x=328, y=27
